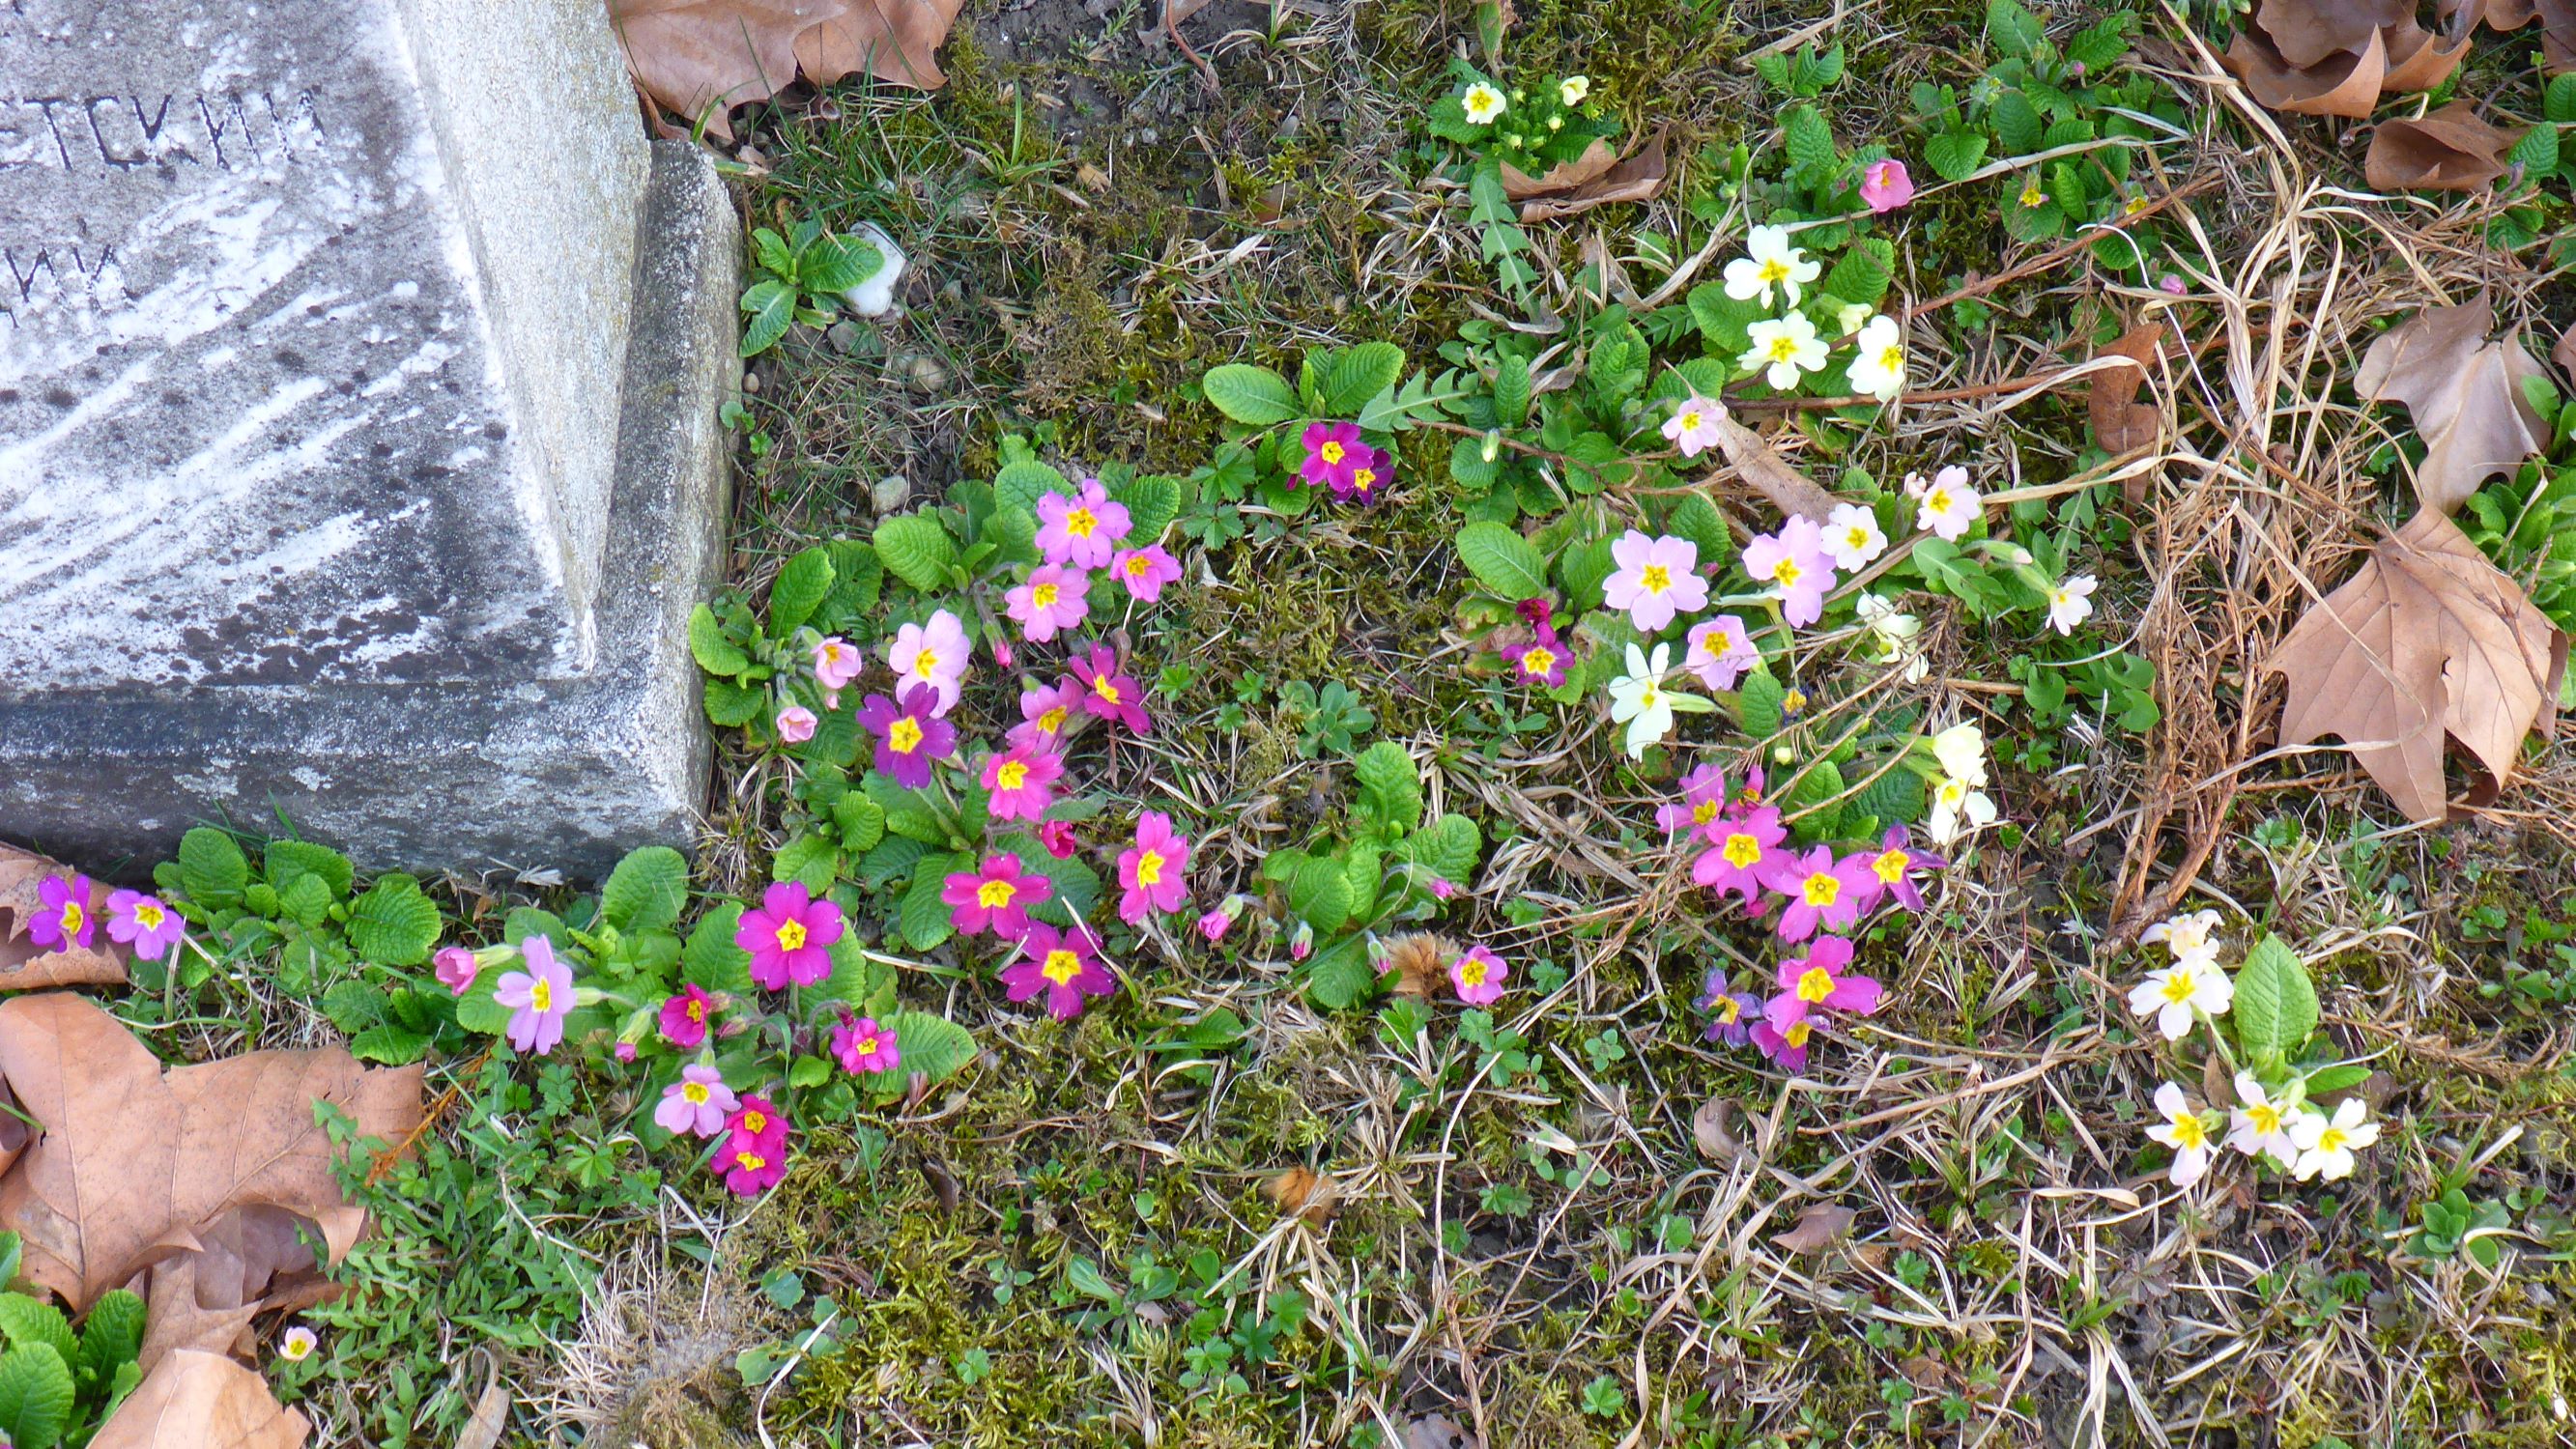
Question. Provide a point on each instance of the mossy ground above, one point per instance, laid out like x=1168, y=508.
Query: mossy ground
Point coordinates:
x=1585, y=1255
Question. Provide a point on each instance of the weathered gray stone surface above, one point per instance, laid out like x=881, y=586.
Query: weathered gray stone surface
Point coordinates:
x=359, y=461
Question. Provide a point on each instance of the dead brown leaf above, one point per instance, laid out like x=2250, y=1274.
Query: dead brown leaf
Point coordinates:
x=1420, y=962
x=134, y=1165
x=202, y=1401
x=2450, y=149
x=2564, y=351
x=1789, y=490
x=2557, y=26
x=2345, y=83
x=1562, y=177
x=704, y=57
x=1713, y=1130
x=2120, y=421
x=2465, y=394
x=1303, y=1191
x=2428, y=642
x=26, y=966
x=491, y=1414
x=1821, y=1226
x=2338, y=57
x=1638, y=178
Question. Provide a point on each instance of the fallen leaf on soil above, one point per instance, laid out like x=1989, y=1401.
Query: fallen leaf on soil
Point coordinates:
x=133, y=1164
x=491, y=1414
x=1820, y=1227
x=202, y=1401
x=704, y=57
x=24, y=965
x=2450, y=149
x=1303, y=1191
x=2557, y=26
x=1789, y=490
x=249, y=1261
x=2344, y=83
x=1637, y=178
x=2563, y=352
x=2216, y=1086
x=2428, y=641
x=2465, y=393
x=1420, y=961
x=2120, y=421
x=1713, y=1129
x=2337, y=57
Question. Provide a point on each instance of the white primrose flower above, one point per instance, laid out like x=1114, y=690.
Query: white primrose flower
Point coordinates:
x=2259, y=1126
x=2175, y=995
x=2326, y=1143
x=1639, y=699
x=2070, y=603
x=1784, y=350
x=1879, y=369
x=1771, y=262
x=2192, y=936
x=2184, y=1132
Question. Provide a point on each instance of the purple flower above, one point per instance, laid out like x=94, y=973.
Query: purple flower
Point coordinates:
x=539, y=998
x=1111, y=695
x=455, y=967
x=1054, y=599
x=1821, y=890
x=1734, y=1013
x=624, y=1051
x=143, y=923
x=790, y=936
x=1145, y=570
x=1333, y=452
x=865, y=1047
x=63, y=920
x=1370, y=474
x=1541, y=662
x=908, y=739
x=1082, y=530
x=1059, y=964
x=1892, y=867
x=697, y=1103
x=995, y=898
x=684, y=1018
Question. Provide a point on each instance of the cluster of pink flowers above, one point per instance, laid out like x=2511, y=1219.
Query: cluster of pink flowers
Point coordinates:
x=1817, y=892
x=1541, y=660
x=65, y=918
x=1076, y=535
x=1338, y=460
x=997, y=896
x=932, y=657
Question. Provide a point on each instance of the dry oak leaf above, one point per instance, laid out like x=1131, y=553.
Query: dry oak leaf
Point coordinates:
x=2337, y=57
x=2557, y=26
x=2451, y=149
x=2465, y=394
x=2120, y=421
x=2429, y=641
x=26, y=966
x=130, y=1163
x=2563, y=352
x=1638, y=178
x=1789, y=490
x=202, y=1401
x=704, y=57
x=1821, y=1226
x=2345, y=83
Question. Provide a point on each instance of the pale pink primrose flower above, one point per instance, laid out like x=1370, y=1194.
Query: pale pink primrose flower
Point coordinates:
x=836, y=662
x=796, y=724
x=1793, y=562
x=1082, y=530
x=1720, y=651
x=1054, y=599
x=697, y=1103
x=1694, y=425
x=1853, y=539
x=1949, y=505
x=935, y=654
x=539, y=998
x=1884, y=186
x=1656, y=578
x=298, y=1344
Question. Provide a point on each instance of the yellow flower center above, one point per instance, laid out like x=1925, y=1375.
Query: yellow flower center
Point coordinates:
x=791, y=935
x=1741, y=851
x=2332, y=1138
x=755, y=1123
x=1061, y=967
x=1703, y=812
x=1538, y=661
x=2179, y=986
x=1938, y=500
x=541, y=996
x=73, y=915
x=1856, y=538
x=1331, y=453
x=1728, y=1010
x=1784, y=348
x=149, y=916
x=1043, y=595
x=2265, y=1117
x=1891, y=865
x=1821, y=891
x=1775, y=269
x=1012, y=776
x=993, y=895
x=1793, y=701
x=1815, y=984
x=1364, y=479
x=696, y=1010
x=1797, y=1033
x=1053, y=720
x=1649, y=698
x=1105, y=690
x=905, y=736
x=694, y=1093
x=1892, y=359
x=1081, y=523
x=1690, y=420
x=2031, y=195
x=750, y=1161
x=1657, y=578
x=2133, y=206
x=1787, y=572
x=1721, y=642
x=2189, y=1132
x=1149, y=868
x=924, y=664
x=1138, y=567
x=1471, y=972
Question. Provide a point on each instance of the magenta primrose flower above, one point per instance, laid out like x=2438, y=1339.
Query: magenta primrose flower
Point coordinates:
x=1478, y=976
x=1821, y=891
x=1333, y=453
x=934, y=655
x=1215, y=924
x=1733, y=1014
x=864, y=1046
x=684, y=1018
x=1892, y=868
x=1742, y=843
x=1058, y=838
x=994, y=898
x=697, y=1103
x=1794, y=563
x=1054, y=599
x=751, y=1168
x=796, y=724
x=142, y=923
x=1152, y=870
x=1082, y=530
x=1021, y=782
x=1787, y=1047
x=1703, y=797
x=1045, y=709
x=1059, y=964
x=1817, y=980
x=790, y=936
x=62, y=919
x=836, y=662
x=755, y=1122
x=1541, y=662
x=1373, y=469
x=910, y=738
x=1884, y=186
x=1656, y=578
x=455, y=967
x=1110, y=694
x=1721, y=649
x=539, y=998
x=1145, y=570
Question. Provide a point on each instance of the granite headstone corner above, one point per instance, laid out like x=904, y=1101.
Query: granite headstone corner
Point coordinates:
x=360, y=368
